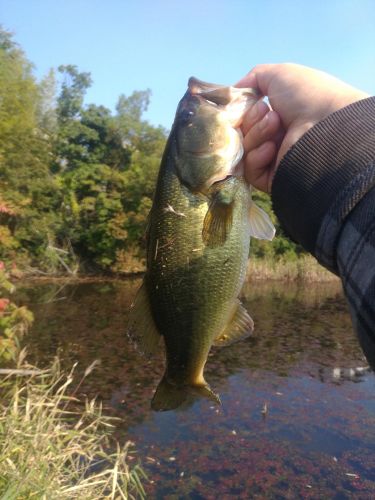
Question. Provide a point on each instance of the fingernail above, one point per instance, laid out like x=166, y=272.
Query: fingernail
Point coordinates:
x=263, y=122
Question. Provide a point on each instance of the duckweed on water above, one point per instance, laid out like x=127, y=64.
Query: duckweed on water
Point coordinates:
x=51, y=450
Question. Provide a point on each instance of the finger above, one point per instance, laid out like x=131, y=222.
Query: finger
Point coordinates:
x=264, y=130
x=254, y=115
x=260, y=165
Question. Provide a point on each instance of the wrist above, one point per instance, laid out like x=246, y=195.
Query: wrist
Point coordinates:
x=342, y=99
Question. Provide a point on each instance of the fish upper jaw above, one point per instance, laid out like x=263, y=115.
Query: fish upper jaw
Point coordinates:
x=219, y=94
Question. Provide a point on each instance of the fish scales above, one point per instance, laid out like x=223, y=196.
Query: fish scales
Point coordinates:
x=198, y=286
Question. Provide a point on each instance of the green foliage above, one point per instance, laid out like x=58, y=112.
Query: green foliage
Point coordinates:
x=29, y=196
x=94, y=213
x=282, y=247
x=23, y=150
x=73, y=88
x=77, y=181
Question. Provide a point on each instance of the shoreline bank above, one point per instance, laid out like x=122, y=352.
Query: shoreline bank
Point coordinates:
x=305, y=269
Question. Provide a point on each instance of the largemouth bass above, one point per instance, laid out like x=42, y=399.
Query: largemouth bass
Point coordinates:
x=198, y=239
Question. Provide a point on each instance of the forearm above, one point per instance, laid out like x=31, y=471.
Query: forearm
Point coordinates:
x=356, y=265
x=324, y=196
x=324, y=175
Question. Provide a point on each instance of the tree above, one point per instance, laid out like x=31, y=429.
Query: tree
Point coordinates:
x=26, y=186
x=46, y=112
x=73, y=89
x=108, y=184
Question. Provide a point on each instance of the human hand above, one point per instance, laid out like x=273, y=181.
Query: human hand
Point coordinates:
x=299, y=97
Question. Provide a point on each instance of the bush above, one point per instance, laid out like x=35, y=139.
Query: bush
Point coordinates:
x=14, y=320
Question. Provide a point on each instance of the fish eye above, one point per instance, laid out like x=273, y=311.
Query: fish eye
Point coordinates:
x=185, y=116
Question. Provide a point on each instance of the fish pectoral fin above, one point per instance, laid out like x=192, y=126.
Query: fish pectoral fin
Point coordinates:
x=261, y=226
x=217, y=223
x=240, y=327
x=141, y=327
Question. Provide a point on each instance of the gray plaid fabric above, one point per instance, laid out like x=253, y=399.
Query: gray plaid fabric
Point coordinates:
x=324, y=196
x=347, y=247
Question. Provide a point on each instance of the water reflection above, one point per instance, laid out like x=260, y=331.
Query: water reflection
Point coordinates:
x=317, y=438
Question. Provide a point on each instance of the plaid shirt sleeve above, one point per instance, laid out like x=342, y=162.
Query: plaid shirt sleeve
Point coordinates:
x=324, y=196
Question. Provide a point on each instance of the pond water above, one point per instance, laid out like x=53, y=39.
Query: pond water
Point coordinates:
x=298, y=405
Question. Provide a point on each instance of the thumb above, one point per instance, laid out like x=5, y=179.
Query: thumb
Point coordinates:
x=259, y=77
x=248, y=80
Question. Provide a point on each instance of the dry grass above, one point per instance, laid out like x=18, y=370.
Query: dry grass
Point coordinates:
x=49, y=451
x=304, y=269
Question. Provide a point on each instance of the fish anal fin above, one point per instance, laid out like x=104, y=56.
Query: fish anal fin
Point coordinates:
x=261, y=226
x=240, y=327
x=217, y=223
x=141, y=327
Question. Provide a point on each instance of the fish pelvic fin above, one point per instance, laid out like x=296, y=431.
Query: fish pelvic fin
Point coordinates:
x=141, y=328
x=239, y=327
x=169, y=396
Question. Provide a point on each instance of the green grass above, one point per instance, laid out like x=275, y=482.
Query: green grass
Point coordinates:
x=51, y=450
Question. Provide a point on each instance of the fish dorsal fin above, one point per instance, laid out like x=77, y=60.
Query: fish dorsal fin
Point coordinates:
x=141, y=327
x=240, y=327
x=261, y=226
x=217, y=223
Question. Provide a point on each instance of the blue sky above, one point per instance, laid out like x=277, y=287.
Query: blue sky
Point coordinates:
x=137, y=44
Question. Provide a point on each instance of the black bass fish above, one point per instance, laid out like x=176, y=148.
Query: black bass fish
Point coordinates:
x=198, y=238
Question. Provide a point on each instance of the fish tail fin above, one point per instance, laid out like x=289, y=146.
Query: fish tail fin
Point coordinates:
x=169, y=396
x=205, y=391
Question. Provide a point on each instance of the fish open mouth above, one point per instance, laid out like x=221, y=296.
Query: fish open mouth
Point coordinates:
x=220, y=95
x=233, y=101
